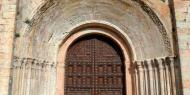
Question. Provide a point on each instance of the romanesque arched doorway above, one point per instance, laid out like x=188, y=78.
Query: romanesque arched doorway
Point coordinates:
x=94, y=66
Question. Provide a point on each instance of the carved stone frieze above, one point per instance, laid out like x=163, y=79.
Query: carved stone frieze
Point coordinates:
x=92, y=13
x=157, y=22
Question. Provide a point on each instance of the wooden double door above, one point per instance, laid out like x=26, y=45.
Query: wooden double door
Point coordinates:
x=94, y=66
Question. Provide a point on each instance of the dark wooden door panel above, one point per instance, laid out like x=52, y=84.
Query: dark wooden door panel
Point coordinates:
x=94, y=67
x=79, y=93
x=110, y=92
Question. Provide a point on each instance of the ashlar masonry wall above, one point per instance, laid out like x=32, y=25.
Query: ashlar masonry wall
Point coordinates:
x=182, y=12
x=7, y=19
x=7, y=27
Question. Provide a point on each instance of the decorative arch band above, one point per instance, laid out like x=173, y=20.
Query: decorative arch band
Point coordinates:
x=146, y=8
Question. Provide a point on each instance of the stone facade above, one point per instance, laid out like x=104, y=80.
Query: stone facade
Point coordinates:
x=7, y=29
x=157, y=32
x=182, y=12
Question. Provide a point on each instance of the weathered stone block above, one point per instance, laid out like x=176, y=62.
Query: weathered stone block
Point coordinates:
x=1, y=28
x=183, y=24
x=4, y=72
x=183, y=31
x=185, y=53
x=9, y=27
x=188, y=9
x=188, y=17
x=181, y=6
x=4, y=88
x=9, y=2
x=9, y=15
x=0, y=6
x=186, y=91
x=181, y=16
x=6, y=41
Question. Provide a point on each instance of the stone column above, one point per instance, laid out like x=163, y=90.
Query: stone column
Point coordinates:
x=171, y=73
x=16, y=75
x=33, y=77
x=138, y=78
x=155, y=77
x=28, y=76
x=162, y=78
x=147, y=65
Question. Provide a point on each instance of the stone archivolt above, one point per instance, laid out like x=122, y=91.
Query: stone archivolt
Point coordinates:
x=157, y=22
x=54, y=21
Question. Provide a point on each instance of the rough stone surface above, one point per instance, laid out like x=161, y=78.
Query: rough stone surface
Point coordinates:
x=41, y=26
x=7, y=19
x=56, y=18
x=182, y=8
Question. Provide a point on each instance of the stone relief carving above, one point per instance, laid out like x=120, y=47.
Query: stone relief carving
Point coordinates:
x=157, y=22
x=28, y=71
x=153, y=16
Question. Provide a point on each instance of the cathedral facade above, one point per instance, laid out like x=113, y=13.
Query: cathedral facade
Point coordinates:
x=94, y=47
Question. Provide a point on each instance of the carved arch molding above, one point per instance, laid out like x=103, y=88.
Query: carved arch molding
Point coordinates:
x=38, y=70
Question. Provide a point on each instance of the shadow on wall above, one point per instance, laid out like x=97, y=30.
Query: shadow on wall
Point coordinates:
x=176, y=48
